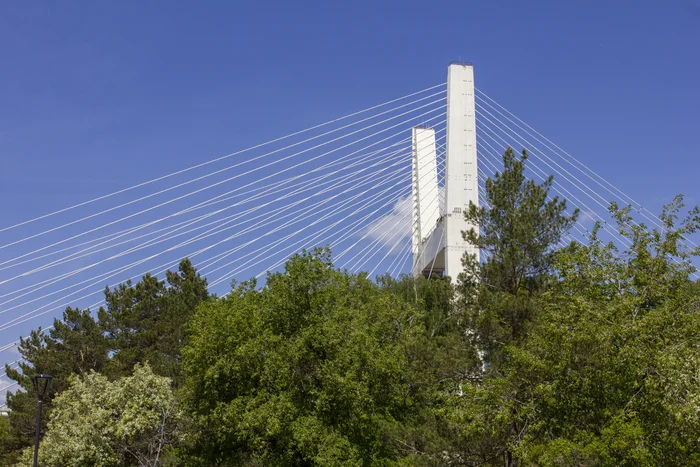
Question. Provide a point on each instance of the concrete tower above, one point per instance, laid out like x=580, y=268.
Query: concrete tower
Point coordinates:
x=438, y=246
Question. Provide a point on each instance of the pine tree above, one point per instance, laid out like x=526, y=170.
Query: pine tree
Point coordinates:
x=146, y=322
x=518, y=236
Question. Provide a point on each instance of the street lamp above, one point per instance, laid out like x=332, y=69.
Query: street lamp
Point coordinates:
x=41, y=383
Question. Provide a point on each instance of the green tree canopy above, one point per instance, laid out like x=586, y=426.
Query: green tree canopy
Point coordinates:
x=99, y=423
x=613, y=365
x=74, y=345
x=608, y=371
x=518, y=235
x=316, y=368
x=145, y=322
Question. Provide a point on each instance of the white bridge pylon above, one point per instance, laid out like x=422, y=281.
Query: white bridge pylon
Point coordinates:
x=438, y=245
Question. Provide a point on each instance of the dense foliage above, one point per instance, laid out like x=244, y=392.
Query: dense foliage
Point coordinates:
x=140, y=323
x=98, y=422
x=318, y=367
x=543, y=353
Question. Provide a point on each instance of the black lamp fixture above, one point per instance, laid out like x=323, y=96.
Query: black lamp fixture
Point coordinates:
x=41, y=383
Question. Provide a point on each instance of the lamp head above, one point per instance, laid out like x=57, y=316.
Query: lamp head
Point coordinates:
x=41, y=383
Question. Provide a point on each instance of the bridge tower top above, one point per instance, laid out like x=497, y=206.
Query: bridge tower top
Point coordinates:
x=442, y=248
x=461, y=181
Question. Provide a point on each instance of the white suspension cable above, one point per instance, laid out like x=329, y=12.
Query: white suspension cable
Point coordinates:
x=399, y=257
x=153, y=241
x=403, y=264
x=139, y=262
x=572, y=160
x=363, y=206
x=222, y=158
x=377, y=241
x=347, y=232
x=399, y=239
x=492, y=166
x=374, y=228
x=35, y=313
x=539, y=173
x=267, y=190
x=534, y=150
x=202, y=236
x=559, y=188
x=313, y=212
x=266, y=165
x=334, y=212
x=5, y=389
x=261, y=248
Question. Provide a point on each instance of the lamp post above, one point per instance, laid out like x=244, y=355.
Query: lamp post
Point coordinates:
x=41, y=383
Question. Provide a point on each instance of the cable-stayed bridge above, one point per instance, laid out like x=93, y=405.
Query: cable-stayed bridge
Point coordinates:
x=384, y=187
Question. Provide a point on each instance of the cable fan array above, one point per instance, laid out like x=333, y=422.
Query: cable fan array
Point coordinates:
x=583, y=188
x=345, y=183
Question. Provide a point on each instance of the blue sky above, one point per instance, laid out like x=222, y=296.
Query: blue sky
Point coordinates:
x=95, y=96
x=98, y=96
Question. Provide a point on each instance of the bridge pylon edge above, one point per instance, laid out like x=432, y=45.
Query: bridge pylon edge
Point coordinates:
x=441, y=247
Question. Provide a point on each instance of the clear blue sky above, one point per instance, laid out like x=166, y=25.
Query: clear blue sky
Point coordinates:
x=96, y=96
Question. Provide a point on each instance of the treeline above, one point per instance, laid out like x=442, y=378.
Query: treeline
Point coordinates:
x=543, y=353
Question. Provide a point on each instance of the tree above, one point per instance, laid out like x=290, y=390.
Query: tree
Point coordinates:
x=74, y=345
x=145, y=322
x=615, y=373
x=8, y=457
x=608, y=372
x=316, y=368
x=519, y=231
x=434, y=297
x=447, y=360
x=97, y=422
